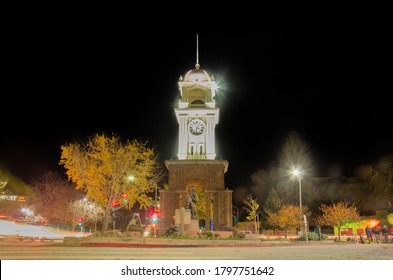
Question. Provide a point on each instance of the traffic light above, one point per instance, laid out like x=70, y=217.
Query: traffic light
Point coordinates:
x=125, y=199
x=154, y=221
x=80, y=222
x=154, y=218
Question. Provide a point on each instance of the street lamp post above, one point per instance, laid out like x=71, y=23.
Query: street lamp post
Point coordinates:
x=297, y=174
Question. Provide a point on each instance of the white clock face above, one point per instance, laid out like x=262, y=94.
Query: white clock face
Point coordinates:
x=196, y=126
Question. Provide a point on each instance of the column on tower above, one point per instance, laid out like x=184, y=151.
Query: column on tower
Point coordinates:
x=182, y=139
x=210, y=148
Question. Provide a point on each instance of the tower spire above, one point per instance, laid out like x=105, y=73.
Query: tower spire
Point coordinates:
x=197, y=53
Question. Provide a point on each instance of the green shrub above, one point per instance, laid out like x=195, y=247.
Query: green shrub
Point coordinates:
x=313, y=236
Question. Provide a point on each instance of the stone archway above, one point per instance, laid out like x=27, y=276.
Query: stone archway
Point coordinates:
x=207, y=176
x=196, y=183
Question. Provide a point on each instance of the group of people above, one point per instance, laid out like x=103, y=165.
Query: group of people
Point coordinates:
x=377, y=234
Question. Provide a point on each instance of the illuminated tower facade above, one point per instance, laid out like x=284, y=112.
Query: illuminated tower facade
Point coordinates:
x=197, y=115
x=196, y=165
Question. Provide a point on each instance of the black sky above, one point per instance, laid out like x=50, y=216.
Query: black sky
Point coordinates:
x=310, y=67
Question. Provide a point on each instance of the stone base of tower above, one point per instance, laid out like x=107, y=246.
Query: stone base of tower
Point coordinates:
x=208, y=177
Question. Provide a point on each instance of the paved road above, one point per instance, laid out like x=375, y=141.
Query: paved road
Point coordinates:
x=311, y=251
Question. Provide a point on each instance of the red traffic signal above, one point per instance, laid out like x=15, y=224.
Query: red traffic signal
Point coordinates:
x=154, y=218
x=80, y=220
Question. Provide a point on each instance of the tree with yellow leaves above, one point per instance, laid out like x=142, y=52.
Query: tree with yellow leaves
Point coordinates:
x=112, y=174
x=286, y=217
x=252, y=207
x=339, y=213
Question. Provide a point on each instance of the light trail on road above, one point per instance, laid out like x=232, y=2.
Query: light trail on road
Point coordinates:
x=26, y=230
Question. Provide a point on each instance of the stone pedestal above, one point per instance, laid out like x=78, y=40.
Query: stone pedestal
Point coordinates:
x=193, y=226
x=183, y=219
x=192, y=229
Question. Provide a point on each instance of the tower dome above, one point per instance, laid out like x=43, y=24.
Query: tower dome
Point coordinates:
x=197, y=75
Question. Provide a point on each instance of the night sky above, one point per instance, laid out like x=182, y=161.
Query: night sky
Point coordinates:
x=281, y=67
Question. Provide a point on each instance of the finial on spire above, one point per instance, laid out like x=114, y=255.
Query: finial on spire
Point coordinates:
x=197, y=53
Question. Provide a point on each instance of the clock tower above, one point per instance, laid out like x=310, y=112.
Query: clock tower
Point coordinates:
x=196, y=165
x=197, y=115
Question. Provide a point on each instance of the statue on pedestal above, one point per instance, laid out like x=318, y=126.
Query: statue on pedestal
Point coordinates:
x=191, y=202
